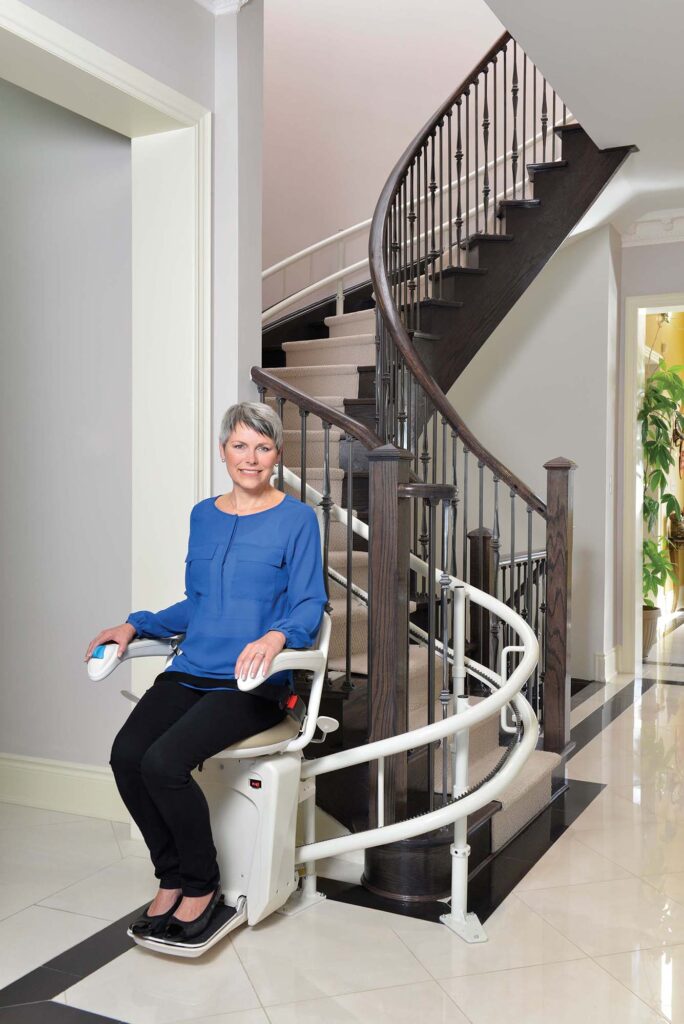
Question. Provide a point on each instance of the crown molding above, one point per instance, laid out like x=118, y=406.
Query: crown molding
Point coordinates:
x=657, y=228
x=222, y=6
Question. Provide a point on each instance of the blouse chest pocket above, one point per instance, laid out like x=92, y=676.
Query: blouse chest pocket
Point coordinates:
x=198, y=563
x=256, y=571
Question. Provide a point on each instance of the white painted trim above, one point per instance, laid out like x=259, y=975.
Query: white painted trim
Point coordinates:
x=658, y=228
x=629, y=653
x=60, y=786
x=222, y=6
x=605, y=666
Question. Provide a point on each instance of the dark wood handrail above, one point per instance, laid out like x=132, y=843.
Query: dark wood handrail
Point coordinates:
x=325, y=412
x=390, y=313
x=434, y=492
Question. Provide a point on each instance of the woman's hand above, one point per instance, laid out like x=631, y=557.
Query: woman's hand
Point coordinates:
x=257, y=656
x=121, y=635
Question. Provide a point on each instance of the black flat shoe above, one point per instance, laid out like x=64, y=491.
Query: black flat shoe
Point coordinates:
x=181, y=931
x=149, y=924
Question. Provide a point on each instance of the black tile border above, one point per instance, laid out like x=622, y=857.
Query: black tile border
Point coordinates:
x=584, y=693
x=28, y=999
x=668, y=682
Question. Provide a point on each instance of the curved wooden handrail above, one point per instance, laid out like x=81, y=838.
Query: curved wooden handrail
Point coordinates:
x=429, y=492
x=390, y=313
x=357, y=430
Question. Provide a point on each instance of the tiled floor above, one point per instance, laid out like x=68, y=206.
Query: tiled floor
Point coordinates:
x=593, y=932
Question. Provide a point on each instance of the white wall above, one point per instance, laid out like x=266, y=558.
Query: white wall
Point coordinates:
x=172, y=40
x=346, y=87
x=65, y=423
x=542, y=387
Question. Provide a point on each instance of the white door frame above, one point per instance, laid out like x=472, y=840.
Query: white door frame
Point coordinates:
x=636, y=308
x=171, y=141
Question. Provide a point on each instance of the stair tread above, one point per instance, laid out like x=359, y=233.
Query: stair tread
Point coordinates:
x=315, y=343
x=550, y=165
x=516, y=204
x=339, y=318
x=334, y=369
x=482, y=236
x=462, y=271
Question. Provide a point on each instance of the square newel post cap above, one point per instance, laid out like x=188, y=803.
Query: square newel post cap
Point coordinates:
x=389, y=453
x=560, y=463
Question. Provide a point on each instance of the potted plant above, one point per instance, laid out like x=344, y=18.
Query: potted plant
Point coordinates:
x=661, y=425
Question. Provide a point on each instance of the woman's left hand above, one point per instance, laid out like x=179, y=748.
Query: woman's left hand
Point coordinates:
x=257, y=656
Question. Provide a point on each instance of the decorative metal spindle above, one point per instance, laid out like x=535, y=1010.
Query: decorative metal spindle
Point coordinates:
x=476, y=133
x=445, y=618
x=326, y=504
x=467, y=164
x=429, y=281
x=464, y=559
x=434, y=446
x=514, y=104
x=449, y=193
x=565, y=113
x=414, y=275
x=482, y=582
x=433, y=226
x=523, y=169
x=425, y=460
x=379, y=399
x=534, y=114
x=444, y=553
x=420, y=270
x=348, y=685
x=262, y=393
x=403, y=413
x=535, y=627
x=432, y=633
x=553, y=123
x=454, y=480
x=403, y=289
x=303, y=423
x=513, y=601
x=528, y=594
x=544, y=121
x=494, y=134
x=504, y=98
x=280, y=402
x=542, y=651
x=459, y=211
x=441, y=204
x=485, y=142
x=496, y=556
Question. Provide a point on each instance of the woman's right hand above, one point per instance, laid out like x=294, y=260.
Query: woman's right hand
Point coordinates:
x=121, y=635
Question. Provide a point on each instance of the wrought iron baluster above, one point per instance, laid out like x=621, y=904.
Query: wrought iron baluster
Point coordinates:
x=553, y=122
x=348, y=684
x=441, y=204
x=433, y=198
x=432, y=633
x=464, y=559
x=262, y=393
x=504, y=99
x=523, y=169
x=514, y=600
x=402, y=256
x=459, y=209
x=514, y=94
x=482, y=582
x=534, y=114
x=421, y=269
x=485, y=143
x=496, y=222
x=425, y=460
x=495, y=623
x=303, y=424
x=434, y=446
x=454, y=480
x=476, y=133
x=326, y=503
x=379, y=375
x=414, y=276
x=467, y=164
x=449, y=193
x=544, y=121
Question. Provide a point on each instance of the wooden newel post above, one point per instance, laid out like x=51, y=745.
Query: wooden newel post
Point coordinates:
x=388, y=576
x=482, y=577
x=558, y=604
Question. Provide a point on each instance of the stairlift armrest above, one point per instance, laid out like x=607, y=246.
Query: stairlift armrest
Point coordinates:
x=104, y=658
x=310, y=660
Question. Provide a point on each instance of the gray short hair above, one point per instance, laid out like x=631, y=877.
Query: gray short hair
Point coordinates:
x=256, y=416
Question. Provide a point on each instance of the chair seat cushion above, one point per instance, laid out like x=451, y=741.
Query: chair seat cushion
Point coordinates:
x=280, y=733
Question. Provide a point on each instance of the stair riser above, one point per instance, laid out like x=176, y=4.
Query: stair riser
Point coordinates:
x=362, y=413
x=346, y=385
x=574, y=147
x=467, y=288
x=333, y=354
x=338, y=634
x=434, y=319
x=519, y=220
x=315, y=451
x=362, y=325
x=489, y=254
x=366, y=377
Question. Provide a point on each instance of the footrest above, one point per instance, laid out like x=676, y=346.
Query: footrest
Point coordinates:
x=224, y=919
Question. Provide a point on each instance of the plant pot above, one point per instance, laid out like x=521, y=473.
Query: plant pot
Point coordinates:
x=650, y=629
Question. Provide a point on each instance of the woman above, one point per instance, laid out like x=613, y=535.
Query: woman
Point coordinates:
x=253, y=585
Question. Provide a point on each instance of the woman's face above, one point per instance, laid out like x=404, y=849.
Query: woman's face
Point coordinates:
x=250, y=458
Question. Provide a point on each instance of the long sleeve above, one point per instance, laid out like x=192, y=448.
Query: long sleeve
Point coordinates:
x=306, y=597
x=166, y=622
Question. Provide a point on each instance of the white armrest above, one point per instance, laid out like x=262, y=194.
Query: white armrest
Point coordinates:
x=104, y=658
x=311, y=660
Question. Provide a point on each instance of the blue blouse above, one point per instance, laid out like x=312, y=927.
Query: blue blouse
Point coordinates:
x=244, y=575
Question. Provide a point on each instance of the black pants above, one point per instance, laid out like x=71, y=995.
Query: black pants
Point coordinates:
x=170, y=731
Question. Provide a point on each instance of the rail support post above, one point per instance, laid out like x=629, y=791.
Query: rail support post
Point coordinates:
x=458, y=920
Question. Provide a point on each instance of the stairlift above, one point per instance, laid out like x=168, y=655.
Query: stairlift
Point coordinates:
x=254, y=790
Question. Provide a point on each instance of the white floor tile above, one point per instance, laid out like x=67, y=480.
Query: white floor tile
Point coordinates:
x=559, y=993
x=332, y=949
x=424, y=1003
x=37, y=934
x=16, y=896
x=241, y=1017
x=516, y=937
x=610, y=810
x=19, y=816
x=647, y=849
x=140, y=987
x=110, y=893
x=569, y=862
x=655, y=975
x=129, y=847
x=610, y=917
x=671, y=885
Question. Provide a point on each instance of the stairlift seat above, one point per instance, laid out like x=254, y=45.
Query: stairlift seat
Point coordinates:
x=283, y=732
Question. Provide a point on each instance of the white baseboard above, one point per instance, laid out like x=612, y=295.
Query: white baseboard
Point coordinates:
x=605, y=666
x=60, y=786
